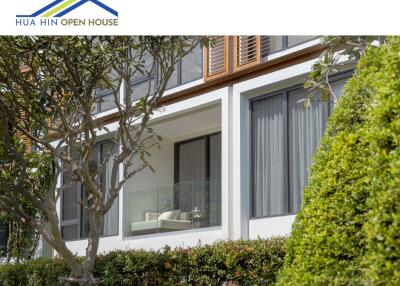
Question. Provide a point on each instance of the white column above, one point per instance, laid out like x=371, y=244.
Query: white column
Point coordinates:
x=241, y=165
x=226, y=164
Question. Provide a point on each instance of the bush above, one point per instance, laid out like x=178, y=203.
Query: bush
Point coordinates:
x=33, y=273
x=327, y=242
x=243, y=262
x=348, y=230
x=382, y=261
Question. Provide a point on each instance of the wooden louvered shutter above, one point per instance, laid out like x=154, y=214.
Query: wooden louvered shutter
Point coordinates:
x=25, y=141
x=216, y=58
x=247, y=51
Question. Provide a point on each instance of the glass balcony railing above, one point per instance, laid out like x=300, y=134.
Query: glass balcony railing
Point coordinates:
x=181, y=206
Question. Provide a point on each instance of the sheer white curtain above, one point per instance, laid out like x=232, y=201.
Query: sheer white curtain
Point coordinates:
x=280, y=173
x=306, y=127
x=269, y=195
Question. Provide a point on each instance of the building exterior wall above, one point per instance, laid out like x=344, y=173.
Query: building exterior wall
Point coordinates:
x=233, y=101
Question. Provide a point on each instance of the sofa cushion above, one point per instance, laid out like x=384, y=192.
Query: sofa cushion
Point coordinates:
x=169, y=215
x=184, y=216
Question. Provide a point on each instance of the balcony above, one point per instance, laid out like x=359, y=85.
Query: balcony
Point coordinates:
x=175, y=207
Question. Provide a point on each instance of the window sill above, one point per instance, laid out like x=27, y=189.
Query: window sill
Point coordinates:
x=272, y=216
x=170, y=233
x=183, y=86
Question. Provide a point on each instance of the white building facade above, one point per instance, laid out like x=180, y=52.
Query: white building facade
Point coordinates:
x=237, y=142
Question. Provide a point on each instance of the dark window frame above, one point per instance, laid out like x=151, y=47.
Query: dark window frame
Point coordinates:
x=285, y=105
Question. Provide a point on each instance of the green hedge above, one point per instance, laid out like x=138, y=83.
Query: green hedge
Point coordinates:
x=243, y=262
x=382, y=261
x=343, y=235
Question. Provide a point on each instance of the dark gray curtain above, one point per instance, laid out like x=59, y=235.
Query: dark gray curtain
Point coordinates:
x=269, y=196
x=214, y=181
x=192, y=175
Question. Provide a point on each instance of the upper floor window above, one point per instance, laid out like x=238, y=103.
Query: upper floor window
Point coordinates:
x=189, y=69
x=143, y=81
x=272, y=44
x=285, y=136
x=105, y=101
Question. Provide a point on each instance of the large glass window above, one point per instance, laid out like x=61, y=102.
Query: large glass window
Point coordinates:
x=143, y=80
x=285, y=136
x=105, y=99
x=74, y=216
x=193, y=201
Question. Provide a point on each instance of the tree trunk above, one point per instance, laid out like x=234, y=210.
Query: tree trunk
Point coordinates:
x=95, y=220
x=9, y=241
x=34, y=244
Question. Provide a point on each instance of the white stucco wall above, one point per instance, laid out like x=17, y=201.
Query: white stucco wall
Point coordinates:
x=270, y=227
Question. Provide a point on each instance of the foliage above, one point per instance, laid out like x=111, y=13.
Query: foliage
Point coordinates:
x=244, y=262
x=33, y=273
x=338, y=52
x=382, y=260
x=22, y=238
x=327, y=243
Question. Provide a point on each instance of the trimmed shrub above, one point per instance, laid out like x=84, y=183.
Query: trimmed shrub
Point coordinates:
x=327, y=243
x=382, y=261
x=348, y=230
x=33, y=273
x=242, y=262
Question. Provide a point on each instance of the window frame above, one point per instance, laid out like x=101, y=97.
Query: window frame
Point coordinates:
x=284, y=92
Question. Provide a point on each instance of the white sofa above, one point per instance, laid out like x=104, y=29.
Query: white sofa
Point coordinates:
x=162, y=222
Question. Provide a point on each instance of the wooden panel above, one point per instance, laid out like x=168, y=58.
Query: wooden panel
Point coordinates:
x=247, y=51
x=25, y=141
x=216, y=63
